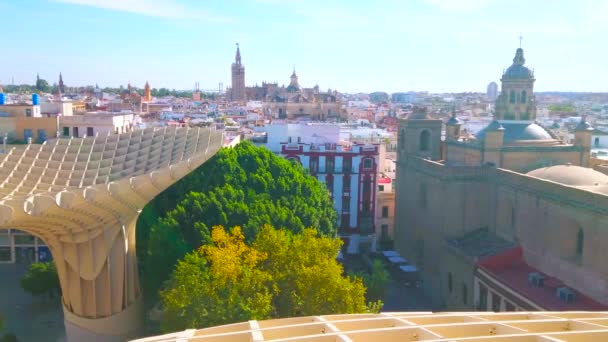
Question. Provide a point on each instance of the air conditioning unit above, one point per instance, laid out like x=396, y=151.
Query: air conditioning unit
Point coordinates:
x=566, y=294
x=536, y=279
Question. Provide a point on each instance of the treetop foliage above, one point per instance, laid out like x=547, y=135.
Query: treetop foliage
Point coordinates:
x=245, y=186
x=280, y=274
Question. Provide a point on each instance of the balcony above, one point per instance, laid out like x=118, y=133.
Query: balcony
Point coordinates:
x=335, y=170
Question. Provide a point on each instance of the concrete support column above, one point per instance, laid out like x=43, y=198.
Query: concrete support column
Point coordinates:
x=100, y=285
x=120, y=327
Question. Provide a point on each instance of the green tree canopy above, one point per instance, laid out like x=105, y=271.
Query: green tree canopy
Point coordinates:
x=377, y=280
x=42, y=85
x=41, y=278
x=281, y=274
x=244, y=186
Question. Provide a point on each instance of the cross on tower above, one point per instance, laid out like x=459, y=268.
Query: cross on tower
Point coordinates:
x=520, y=38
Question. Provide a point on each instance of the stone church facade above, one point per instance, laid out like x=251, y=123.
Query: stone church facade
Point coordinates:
x=513, y=205
x=282, y=102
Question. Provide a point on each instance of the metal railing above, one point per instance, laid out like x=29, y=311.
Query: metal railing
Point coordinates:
x=338, y=170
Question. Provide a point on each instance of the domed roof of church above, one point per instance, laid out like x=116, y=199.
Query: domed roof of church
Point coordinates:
x=516, y=131
x=571, y=175
x=517, y=69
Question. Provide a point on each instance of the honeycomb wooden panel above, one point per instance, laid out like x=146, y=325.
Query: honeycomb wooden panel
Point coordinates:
x=470, y=327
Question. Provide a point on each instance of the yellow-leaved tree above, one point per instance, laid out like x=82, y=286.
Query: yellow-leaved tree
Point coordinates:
x=282, y=274
x=219, y=283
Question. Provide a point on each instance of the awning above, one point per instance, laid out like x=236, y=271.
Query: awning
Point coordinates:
x=408, y=268
x=397, y=260
x=390, y=253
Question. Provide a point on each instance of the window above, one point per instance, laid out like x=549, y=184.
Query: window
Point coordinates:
x=27, y=134
x=465, y=294
x=24, y=239
x=346, y=204
x=385, y=211
x=344, y=224
x=90, y=131
x=580, y=241
x=75, y=132
x=330, y=185
x=523, y=99
x=66, y=131
x=42, y=136
x=367, y=163
x=346, y=183
x=5, y=254
x=367, y=186
x=512, y=97
x=597, y=142
x=28, y=112
x=380, y=187
x=347, y=164
x=314, y=165
x=384, y=230
x=329, y=165
x=425, y=141
x=450, y=282
x=289, y=140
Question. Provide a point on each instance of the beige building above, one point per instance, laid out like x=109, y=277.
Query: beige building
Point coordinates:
x=19, y=122
x=385, y=214
x=92, y=124
x=20, y=110
x=63, y=108
x=460, y=202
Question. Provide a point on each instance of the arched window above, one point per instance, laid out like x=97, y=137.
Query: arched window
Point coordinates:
x=425, y=141
x=580, y=244
x=512, y=97
x=523, y=96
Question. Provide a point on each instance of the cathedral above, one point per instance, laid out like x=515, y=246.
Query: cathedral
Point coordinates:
x=512, y=219
x=237, y=92
x=282, y=102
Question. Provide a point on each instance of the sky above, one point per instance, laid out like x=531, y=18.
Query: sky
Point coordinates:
x=348, y=45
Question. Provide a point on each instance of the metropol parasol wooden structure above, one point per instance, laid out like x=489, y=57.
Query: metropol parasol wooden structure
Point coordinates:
x=82, y=197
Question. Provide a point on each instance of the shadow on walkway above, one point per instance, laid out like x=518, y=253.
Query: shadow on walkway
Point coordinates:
x=29, y=318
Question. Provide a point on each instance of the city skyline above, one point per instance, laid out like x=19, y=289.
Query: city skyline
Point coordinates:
x=429, y=45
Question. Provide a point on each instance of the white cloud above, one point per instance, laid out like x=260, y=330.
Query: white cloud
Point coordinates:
x=459, y=5
x=153, y=8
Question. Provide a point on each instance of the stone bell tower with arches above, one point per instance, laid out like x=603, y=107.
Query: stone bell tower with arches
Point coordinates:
x=516, y=100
